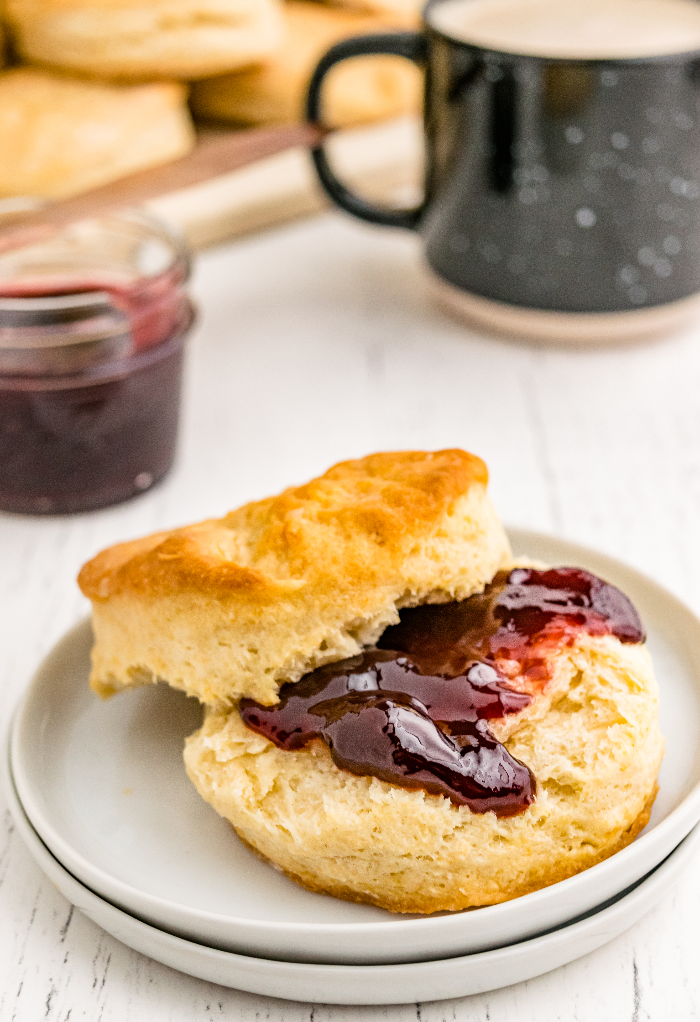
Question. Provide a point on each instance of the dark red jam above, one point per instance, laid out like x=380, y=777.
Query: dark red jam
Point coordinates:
x=93, y=323
x=84, y=441
x=413, y=709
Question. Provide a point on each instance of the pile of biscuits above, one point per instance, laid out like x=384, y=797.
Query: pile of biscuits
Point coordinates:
x=92, y=90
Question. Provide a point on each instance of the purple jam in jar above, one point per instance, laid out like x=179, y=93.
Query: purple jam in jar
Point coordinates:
x=93, y=323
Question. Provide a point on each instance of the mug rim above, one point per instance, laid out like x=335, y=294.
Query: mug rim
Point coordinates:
x=658, y=58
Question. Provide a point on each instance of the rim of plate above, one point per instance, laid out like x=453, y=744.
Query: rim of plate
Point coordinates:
x=648, y=890
x=668, y=833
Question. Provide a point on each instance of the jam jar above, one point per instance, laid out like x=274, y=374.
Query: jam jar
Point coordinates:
x=93, y=323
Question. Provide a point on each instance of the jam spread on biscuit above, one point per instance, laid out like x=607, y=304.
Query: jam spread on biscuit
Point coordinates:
x=413, y=709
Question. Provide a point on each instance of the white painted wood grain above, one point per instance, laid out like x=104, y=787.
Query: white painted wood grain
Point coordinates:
x=317, y=342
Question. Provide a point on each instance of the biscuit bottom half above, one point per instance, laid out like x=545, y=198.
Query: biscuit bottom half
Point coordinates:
x=592, y=742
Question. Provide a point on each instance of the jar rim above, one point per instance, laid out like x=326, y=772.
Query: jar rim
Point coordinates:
x=167, y=232
x=28, y=310
x=99, y=286
x=115, y=368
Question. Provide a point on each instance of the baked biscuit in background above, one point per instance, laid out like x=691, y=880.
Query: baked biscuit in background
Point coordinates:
x=62, y=135
x=236, y=606
x=360, y=90
x=592, y=743
x=406, y=13
x=146, y=39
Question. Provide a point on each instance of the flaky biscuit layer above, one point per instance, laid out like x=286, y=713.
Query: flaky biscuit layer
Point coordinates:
x=239, y=605
x=274, y=91
x=592, y=741
x=61, y=135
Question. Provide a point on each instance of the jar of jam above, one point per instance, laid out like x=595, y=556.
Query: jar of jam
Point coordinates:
x=93, y=322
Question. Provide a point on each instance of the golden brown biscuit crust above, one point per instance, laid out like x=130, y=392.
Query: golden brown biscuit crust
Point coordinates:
x=403, y=12
x=146, y=39
x=61, y=135
x=236, y=606
x=274, y=91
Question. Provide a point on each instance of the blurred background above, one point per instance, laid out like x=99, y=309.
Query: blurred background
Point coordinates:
x=91, y=91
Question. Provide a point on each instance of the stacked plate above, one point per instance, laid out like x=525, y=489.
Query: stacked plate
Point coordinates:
x=99, y=793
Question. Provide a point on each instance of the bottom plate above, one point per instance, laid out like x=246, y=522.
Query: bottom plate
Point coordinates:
x=103, y=785
x=364, y=984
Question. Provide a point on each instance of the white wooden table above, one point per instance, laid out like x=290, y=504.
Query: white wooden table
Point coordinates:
x=318, y=342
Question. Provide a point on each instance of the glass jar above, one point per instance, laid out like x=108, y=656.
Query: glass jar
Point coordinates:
x=93, y=322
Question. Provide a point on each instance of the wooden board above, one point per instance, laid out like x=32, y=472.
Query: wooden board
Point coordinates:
x=383, y=161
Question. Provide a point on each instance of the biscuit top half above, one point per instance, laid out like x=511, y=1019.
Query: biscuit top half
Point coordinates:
x=239, y=605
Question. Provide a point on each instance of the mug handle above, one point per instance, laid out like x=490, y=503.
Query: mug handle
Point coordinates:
x=412, y=46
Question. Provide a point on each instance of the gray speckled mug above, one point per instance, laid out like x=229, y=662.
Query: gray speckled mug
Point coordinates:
x=563, y=162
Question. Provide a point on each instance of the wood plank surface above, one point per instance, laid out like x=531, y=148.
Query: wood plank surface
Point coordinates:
x=382, y=160
x=238, y=182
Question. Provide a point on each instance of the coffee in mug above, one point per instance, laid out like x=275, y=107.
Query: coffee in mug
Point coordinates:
x=574, y=29
x=562, y=196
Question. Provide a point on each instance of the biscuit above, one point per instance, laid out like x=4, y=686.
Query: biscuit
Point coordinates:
x=592, y=742
x=406, y=13
x=356, y=92
x=141, y=39
x=62, y=136
x=236, y=606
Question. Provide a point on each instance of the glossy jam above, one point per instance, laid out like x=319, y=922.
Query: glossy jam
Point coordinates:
x=518, y=617
x=413, y=710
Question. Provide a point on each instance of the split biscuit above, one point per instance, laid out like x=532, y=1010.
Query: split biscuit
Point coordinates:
x=591, y=740
x=236, y=606
x=61, y=135
x=145, y=39
x=358, y=91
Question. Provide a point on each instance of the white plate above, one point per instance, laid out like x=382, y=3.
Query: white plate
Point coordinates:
x=104, y=786
x=366, y=984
